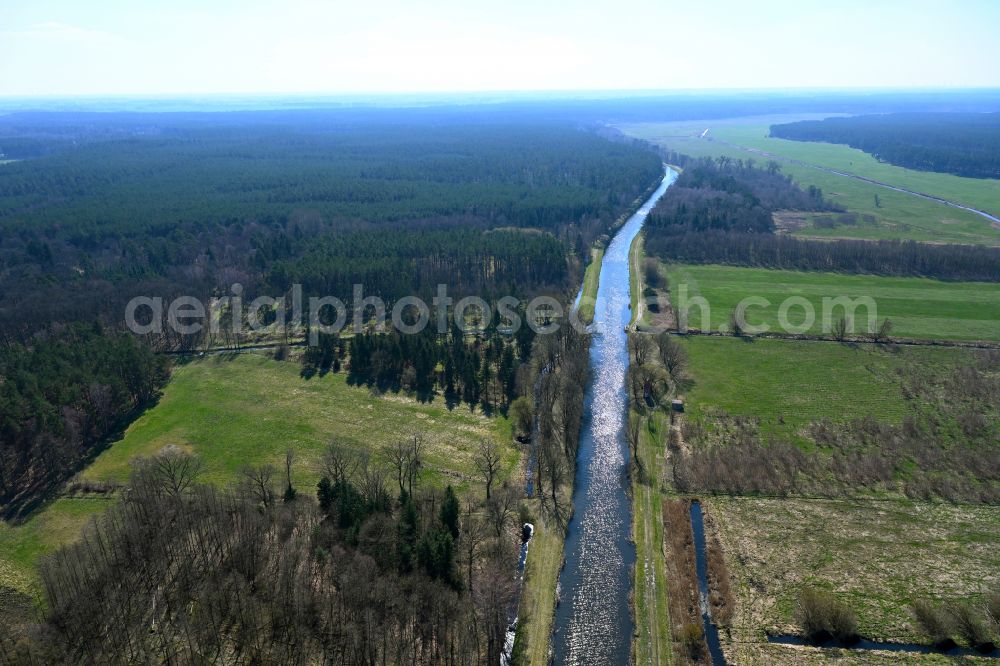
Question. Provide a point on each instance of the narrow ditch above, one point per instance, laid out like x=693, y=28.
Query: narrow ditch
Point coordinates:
x=864, y=644
x=712, y=631
x=701, y=569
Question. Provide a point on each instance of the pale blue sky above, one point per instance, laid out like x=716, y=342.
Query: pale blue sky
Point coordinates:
x=97, y=47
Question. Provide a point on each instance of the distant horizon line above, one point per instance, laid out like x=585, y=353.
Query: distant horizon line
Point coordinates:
x=528, y=92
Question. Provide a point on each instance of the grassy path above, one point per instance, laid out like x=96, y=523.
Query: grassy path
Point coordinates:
x=635, y=255
x=652, y=640
x=652, y=645
x=538, y=600
x=591, y=282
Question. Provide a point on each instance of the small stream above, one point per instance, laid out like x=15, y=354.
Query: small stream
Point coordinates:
x=864, y=644
x=701, y=568
x=522, y=560
x=593, y=624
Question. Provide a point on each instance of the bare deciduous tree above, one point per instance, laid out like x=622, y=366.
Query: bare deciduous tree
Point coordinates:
x=882, y=332
x=339, y=462
x=488, y=462
x=259, y=481
x=840, y=329
x=406, y=459
x=672, y=355
x=492, y=599
x=554, y=463
x=500, y=507
x=642, y=348
x=633, y=434
x=417, y=446
x=372, y=482
x=289, y=488
x=473, y=534
x=175, y=470
x=636, y=378
x=399, y=459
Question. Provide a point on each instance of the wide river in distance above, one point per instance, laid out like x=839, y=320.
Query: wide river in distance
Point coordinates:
x=592, y=622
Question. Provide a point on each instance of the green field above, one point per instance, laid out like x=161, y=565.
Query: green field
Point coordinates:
x=981, y=193
x=791, y=383
x=898, y=215
x=21, y=546
x=917, y=307
x=249, y=409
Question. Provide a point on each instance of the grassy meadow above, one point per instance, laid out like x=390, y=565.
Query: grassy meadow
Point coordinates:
x=249, y=409
x=897, y=215
x=789, y=383
x=917, y=307
x=22, y=545
x=981, y=193
x=877, y=556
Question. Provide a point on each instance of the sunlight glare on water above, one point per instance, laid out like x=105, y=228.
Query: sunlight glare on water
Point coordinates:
x=592, y=623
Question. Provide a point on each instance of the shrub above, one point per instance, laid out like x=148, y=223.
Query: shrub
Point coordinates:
x=654, y=278
x=934, y=622
x=970, y=626
x=692, y=636
x=524, y=514
x=521, y=414
x=822, y=616
x=993, y=607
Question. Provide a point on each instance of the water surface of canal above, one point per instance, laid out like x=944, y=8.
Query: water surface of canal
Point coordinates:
x=592, y=622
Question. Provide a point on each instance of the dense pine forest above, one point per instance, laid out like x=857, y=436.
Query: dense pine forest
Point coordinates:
x=721, y=212
x=61, y=396
x=481, y=373
x=965, y=144
x=887, y=257
x=190, y=209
